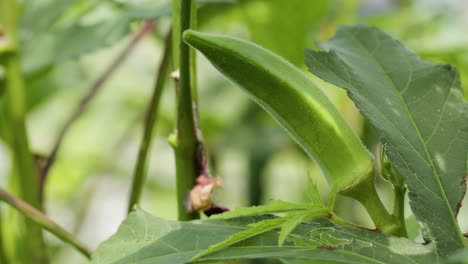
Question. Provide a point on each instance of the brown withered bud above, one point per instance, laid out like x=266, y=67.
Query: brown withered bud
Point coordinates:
x=199, y=198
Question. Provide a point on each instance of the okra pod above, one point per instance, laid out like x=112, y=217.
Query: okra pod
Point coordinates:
x=294, y=101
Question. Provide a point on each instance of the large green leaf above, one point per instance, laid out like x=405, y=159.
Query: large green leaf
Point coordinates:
x=143, y=238
x=419, y=112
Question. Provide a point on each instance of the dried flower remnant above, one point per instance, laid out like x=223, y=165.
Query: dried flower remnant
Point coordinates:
x=199, y=198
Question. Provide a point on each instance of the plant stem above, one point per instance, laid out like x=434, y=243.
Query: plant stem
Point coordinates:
x=399, y=208
x=176, y=36
x=256, y=166
x=22, y=160
x=389, y=174
x=339, y=221
x=43, y=221
x=85, y=101
x=193, y=66
x=3, y=257
x=186, y=144
x=366, y=194
x=140, y=173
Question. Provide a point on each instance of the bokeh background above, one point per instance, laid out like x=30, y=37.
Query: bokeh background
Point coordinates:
x=88, y=187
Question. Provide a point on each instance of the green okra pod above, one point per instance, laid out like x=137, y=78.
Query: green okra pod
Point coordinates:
x=294, y=101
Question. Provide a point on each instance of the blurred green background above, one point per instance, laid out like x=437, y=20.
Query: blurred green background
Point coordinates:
x=67, y=44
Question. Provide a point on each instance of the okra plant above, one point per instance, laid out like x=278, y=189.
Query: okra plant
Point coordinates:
x=418, y=110
x=416, y=107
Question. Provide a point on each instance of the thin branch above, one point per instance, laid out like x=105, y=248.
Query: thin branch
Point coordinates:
x=140, y=172
x=43, y=221
x=83, y=104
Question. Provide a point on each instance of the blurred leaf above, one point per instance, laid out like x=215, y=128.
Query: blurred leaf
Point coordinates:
x=40, y=17
x=143, y=238
x=417, y=107
x=284, y=27
x=412, y=226
x=460, y=257
x=69, y=43
x=58, y=45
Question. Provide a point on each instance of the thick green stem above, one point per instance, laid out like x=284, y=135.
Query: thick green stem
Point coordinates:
x=42, y=220
x=257, y=164
x=186, y=144
x=140, y=173
x=399, y=208
x=23, y=164
x=389, y=174
x=366, y=194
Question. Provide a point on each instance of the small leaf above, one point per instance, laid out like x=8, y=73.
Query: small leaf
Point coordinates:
x=294, y=219
x=254, y=230
x=276, y=206
x=418, y=109
x=314, y=194
x=73, y=41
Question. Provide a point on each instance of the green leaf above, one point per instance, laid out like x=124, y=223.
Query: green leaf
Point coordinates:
x=73, y=41
x=460, y=257
x=254, y=230
x=276, y=206
x=294, y=219
x=314, y=194
x=143, y=238
x=70, y=42
x=417, y=108
x=39, y=17
x=286, y=223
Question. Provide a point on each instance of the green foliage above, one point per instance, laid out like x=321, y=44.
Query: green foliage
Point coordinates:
x=143, y=238
x=460, y=257
x=418, y=110
x=391, y=86
x=70, y=42
x=415, y=106
x=295, y=214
